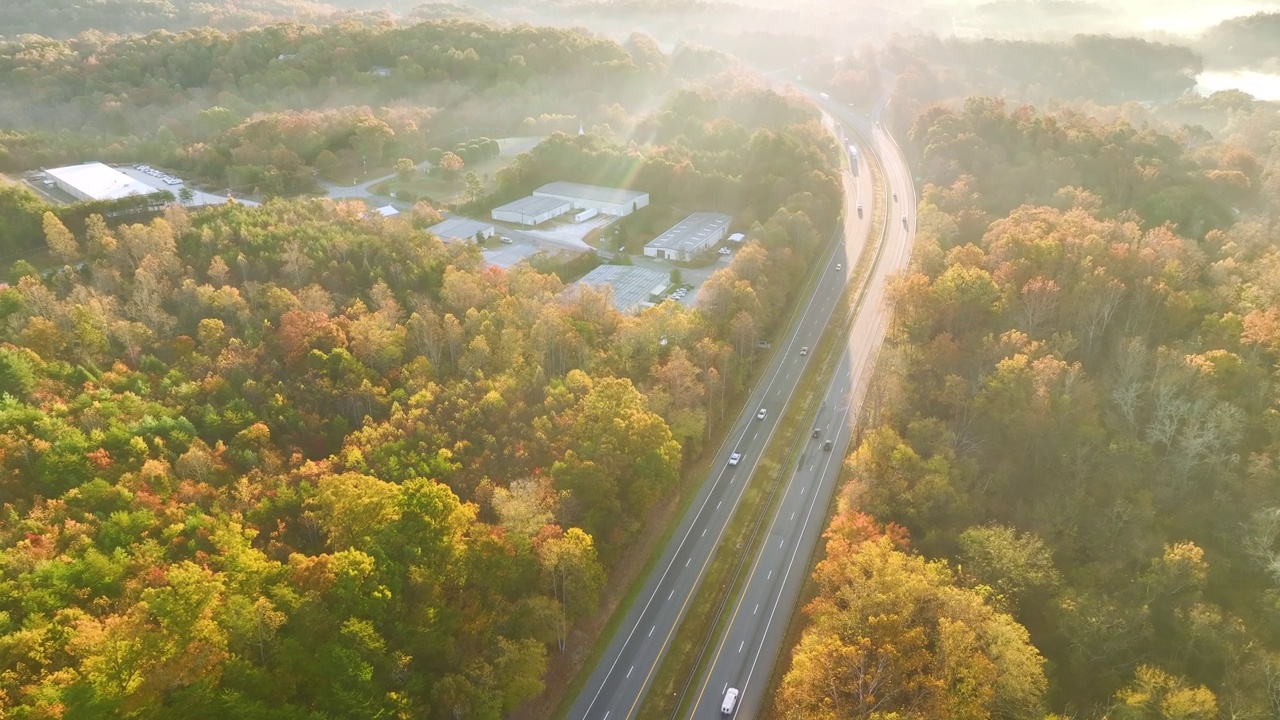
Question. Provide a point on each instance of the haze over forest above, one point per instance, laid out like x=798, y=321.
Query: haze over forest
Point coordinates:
x=328, y=413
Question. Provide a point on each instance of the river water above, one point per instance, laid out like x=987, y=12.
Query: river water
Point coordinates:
x=1263, y=86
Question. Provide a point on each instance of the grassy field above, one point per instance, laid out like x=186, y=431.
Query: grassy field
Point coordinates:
x=439, y=189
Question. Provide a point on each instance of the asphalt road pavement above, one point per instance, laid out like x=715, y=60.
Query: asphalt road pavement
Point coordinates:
x=618, y=683
x=744, y=655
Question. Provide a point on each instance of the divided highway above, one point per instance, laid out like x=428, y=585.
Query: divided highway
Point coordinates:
x=745, y=654
x=618, y=683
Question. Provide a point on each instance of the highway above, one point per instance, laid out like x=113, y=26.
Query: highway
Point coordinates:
x=618, y=683
x=744, y=655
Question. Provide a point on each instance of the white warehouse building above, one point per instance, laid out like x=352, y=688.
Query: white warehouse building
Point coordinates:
x=606, y=200
x=96, y=181
x=690, y=237
x=455, y=227
x=531, y=210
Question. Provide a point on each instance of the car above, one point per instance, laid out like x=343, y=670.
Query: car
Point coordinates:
x=730, y=700
x=760, y=415
x=839, y=266
x=724, y=251
x=895, y=197
x=826, y=445
x=505, y=239
x=859, y=209
x=735, y=458
x=804, y=350
x=817, y=432
x=904, y=221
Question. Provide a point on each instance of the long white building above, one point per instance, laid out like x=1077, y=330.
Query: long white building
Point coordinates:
x=95, y=181
x=690, y=237
x=606, y=200
x=531, y=210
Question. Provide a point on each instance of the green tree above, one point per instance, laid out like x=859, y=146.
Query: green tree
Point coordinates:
x=573, y=573
x=474, y=188
x=405, y=170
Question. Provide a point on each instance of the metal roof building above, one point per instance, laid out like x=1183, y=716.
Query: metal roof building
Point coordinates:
x=531, y=210
x=689, y=237
x=607, y=200
x=461, y=228
x=631, y=285
x=95, y=181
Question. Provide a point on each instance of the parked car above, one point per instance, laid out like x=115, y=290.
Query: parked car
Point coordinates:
x=735, y=458
x=504, y=239
x=724, y=251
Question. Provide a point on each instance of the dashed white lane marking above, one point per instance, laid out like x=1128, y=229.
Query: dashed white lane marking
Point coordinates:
x=633, y=667
x=780, y=542
x=686, y=562
x=673, y=592
x=770, y=577
x=753, y=612
x=718, y=504
x=704, y=532
x=741, y=645
x=655, y=627
x=793, y=516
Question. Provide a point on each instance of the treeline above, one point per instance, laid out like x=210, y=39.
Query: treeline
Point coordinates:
x=1243, y=42
x=1076, y=409
x=928, y=69
x=235, y=108
x=983, y=159
x=297, y=461
x=65, y=18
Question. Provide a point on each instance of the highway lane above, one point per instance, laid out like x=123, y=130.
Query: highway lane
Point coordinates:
x=744, y=655
x=619, y=681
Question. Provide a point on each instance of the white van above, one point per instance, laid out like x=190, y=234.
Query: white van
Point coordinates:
x=730, y=699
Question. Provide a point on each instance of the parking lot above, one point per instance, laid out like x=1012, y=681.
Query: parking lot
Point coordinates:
x=163, y=180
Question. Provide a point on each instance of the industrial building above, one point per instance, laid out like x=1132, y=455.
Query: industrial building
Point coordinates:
x=460, y=228
x=689, y=237
x=531, y=210
x=96, y=181
x=632, y=286
x=606, y=200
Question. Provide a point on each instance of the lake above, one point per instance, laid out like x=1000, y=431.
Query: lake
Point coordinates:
x=1264, y=86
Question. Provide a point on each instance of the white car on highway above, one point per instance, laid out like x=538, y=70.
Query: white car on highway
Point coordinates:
x=735, y=458
x=730, y=700
x=760, y=415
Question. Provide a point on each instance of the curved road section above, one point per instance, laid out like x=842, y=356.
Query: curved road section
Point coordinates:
x=744, y=656
x=619, y=681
